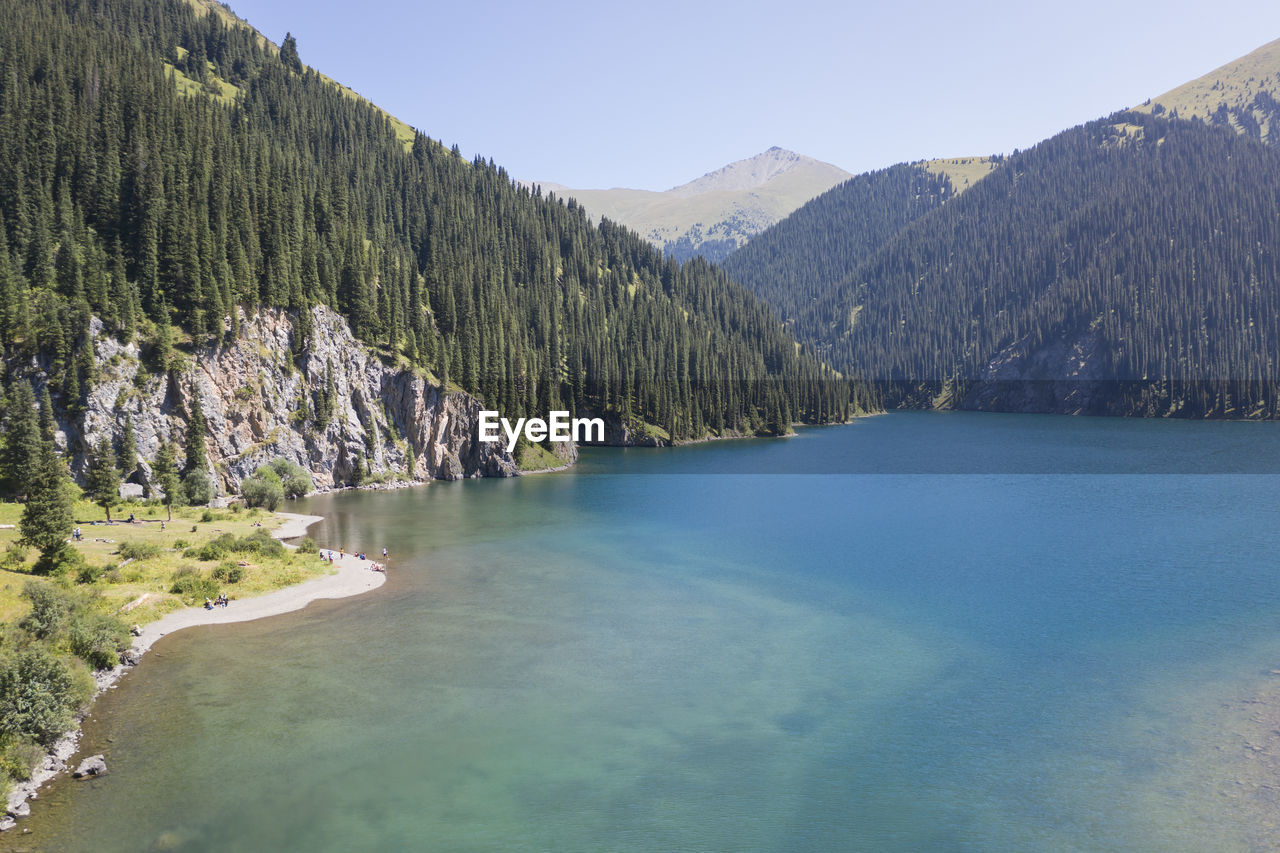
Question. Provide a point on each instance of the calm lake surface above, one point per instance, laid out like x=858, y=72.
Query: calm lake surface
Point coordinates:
x=985, y=632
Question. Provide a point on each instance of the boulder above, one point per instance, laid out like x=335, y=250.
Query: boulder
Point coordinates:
x=131, y=492
x=94, y=765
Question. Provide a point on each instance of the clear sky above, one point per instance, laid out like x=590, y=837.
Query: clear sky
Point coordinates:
x=653, y=94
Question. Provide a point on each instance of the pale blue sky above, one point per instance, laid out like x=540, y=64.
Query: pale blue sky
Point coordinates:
x=654, y=94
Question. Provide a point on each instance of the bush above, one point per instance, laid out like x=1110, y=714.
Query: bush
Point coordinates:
x=15, y=556
x=307, y=545
x=191, y=585
x=229, y=573
x=19, y=757
x=98, y=639
x=90, y=574
x=197, y=488
x=50, y=608
x=39, y=695
x=139, y=550
x=207, y=516
x=295, y=479
x=263, y=489
x=179, y=544
x=260, y=542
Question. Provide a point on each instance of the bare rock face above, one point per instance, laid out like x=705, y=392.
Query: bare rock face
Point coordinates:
x=334, y=409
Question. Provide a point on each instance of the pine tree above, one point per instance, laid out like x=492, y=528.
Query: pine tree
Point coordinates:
x=128, y=450
x=46, y=517
x=197, y=430
x=22, y=440
x=102, y=483
x=289, y=54
x=164, y=469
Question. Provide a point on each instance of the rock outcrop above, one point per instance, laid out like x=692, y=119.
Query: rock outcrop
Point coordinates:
x=334, y=408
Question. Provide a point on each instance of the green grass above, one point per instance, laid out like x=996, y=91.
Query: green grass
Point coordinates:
x=535, y=457
x=1235, y=84
x=153, y=577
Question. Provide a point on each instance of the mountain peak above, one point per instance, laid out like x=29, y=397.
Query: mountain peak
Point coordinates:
x=750, y=173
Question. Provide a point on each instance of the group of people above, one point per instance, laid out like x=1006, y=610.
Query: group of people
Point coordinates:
x=329, y=556
x=220, y=601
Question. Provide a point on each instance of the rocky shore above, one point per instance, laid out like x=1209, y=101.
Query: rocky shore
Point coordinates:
x=351, y=576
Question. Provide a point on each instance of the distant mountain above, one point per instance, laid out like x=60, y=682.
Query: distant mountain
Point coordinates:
x=713, y=215
x=1127, y=267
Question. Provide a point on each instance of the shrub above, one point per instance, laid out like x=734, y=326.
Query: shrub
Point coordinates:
x=191, y=585
x=197, y=488
x=90, y=574
x=263, y=489
x=50, y=608
x=179, y=544
x=19, y=757
x=14, y=557
x=307, y=545
x=131, y=550
x=229, y=573
x=98, y=639
x=260, y=542
x=295, y=479
x=39, y=695
x=206, y=516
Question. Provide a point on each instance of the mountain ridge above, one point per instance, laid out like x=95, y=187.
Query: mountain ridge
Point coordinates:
x=713, y=214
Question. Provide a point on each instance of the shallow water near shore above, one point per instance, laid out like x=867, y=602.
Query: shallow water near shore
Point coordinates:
x=609, y=658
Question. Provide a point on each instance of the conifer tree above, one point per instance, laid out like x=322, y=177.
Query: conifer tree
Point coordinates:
x=22, y=440
x=46, y=517
x=289, y=54
x=165, y=470
x=102, y=483
x=128, y=450
x=197, y=430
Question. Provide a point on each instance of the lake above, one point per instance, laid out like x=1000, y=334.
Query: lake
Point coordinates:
x=920, y=631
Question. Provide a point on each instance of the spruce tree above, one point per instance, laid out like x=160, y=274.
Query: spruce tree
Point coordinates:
x=22, y=440
x=128, y=450
x=164, y=469
x=102, y=483
x=197, y=429
x=46, y=517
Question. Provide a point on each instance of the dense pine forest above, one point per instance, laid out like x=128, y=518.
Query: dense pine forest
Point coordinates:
x=793, y=263
x=160, y=166
x=1135, y=259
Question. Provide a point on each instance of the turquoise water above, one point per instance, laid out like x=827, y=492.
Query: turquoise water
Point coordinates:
x=620, y=657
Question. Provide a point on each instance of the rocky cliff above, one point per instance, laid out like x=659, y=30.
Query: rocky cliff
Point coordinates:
x=333, y=408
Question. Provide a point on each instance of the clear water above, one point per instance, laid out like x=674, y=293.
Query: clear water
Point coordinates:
x=623, y=658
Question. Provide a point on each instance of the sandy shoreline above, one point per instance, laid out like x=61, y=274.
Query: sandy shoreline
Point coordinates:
x=352, y=576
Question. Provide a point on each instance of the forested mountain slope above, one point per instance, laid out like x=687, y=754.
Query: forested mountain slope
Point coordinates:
x=1127, y=266
x=794, y=264
x=161, y=167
